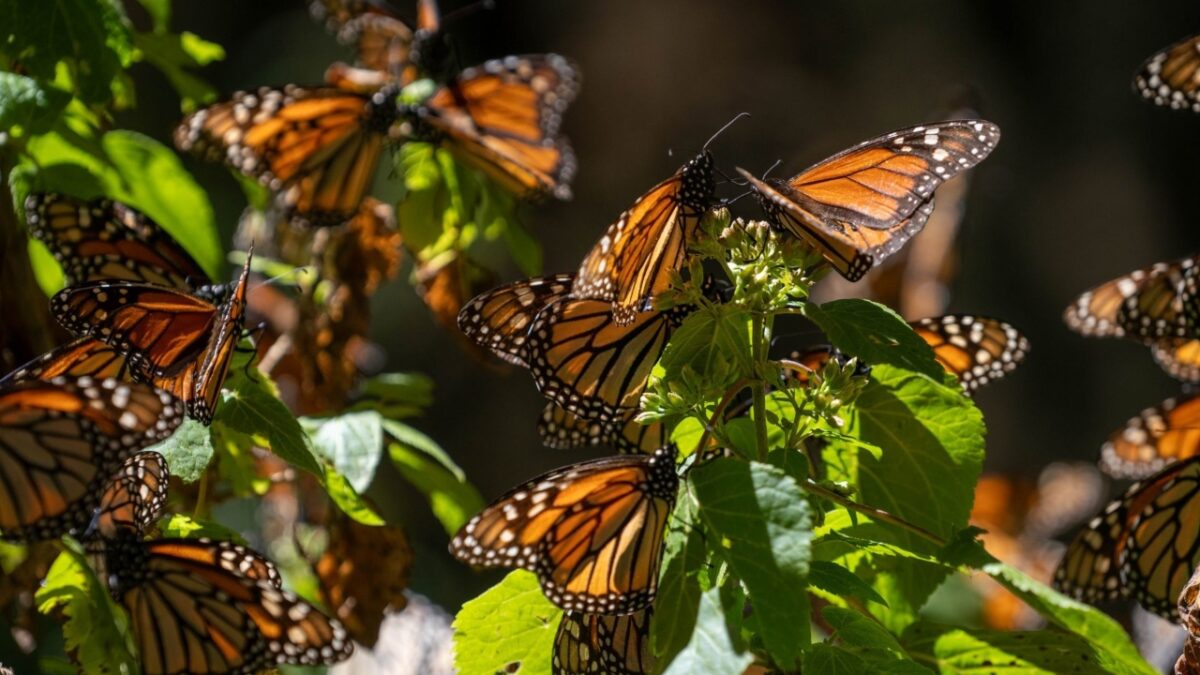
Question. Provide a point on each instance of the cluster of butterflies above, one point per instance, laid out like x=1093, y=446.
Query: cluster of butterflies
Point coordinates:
x=592, y=531
x=1144, y=544
x=154, y=342
x=317, y=148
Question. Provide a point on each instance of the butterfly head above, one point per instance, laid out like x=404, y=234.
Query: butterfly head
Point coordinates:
x=698, y=186
x=383, y=109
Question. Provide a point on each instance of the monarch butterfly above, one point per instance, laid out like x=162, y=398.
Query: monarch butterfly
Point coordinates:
x=384, y=43
x=106, y=240
x=1148, y=304
x=563, y=430
x=580, y=357
x=134, y=497
x=974, y=349
x=1154, y=438
x=635, y=258
x=1179, y=358
x=197, y=605
x=322, y=144
x=177, y=341
x=1142, y=544
x=861, y=205
x=600, y=643
x=592, y=531
x=1171, y=77
x=62, y=440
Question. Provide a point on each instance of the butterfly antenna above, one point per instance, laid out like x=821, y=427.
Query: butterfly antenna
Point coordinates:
x=730, y=202
x=468, y=10
x=722, y=129
x=770, y=169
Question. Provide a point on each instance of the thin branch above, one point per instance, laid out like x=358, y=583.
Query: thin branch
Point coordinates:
x=876, y=514
x=720, y=410
x=759, y=390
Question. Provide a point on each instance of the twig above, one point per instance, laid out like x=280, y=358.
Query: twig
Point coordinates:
x=759, y=390
x=720, y=410
x=876, y=514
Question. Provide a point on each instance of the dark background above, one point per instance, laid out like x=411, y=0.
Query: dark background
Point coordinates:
x=1088, y=182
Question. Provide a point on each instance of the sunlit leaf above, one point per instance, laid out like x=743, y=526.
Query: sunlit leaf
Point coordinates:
x=508, y=629
x=710, y=651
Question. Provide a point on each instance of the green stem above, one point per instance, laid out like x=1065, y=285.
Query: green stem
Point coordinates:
x=875, y=514
x=718, y=412
x=759, y=389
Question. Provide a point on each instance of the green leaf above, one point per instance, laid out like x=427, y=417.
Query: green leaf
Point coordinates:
x=852, y=628
x=27, y=104
x=188, y=451
x=678, y=602
x=416, y=440
x=396, y=395
x=151, y=178
x=352, y=441
x=713, y=342
x=710, y=651
x=92, y=36
x=981, y=652
x=524, y=249
x=837, y=580
x=95, y=629
x=827, y=659
x=874, y=333
x=760, y=517
x=175, y=55
x=251, y=408
x=508, y=629
x=185, y=527
x=342, y=492
x=46, y=270
x=932, y=436
x=452, y=499
x=1114, y=648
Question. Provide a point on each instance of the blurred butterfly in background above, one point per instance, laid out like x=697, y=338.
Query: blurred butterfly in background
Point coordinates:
x=600, y=643
x=1143, y=544
x=61, y=440
x=580, y=357
x=592, y=531
x=384, y=43
x=1151, y=304
x=105, y=240
x=1171, y=77
x=1178, y=358
x=975, y=349
x=320, y=146
x=1154, y=438
x=638, y=254
x=861, y=205
x=178, y=341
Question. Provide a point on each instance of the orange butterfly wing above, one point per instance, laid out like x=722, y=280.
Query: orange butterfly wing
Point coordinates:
x=1149, y=304
x=591, y=531
x=1171, y=77
x=635, y=259
x=1157, y=436
x=499, y=320
x=1179, y=358
x=61, y=440
x=503, y=118
x=974, y=349
x=599, y=643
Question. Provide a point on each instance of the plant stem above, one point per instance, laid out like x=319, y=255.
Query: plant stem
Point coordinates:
x=876, y=514
x=719, y=411
x=201, y=496
x=759, y=388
